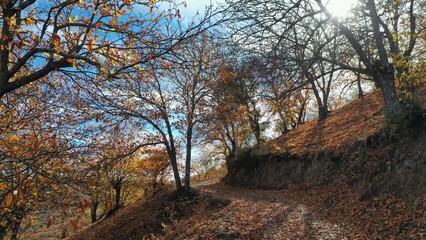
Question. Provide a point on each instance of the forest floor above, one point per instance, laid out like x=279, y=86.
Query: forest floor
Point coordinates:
x=304, y=211
x=301, y=212
x=256, y=214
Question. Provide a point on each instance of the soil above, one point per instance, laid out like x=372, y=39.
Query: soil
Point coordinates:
x=304, y=211
x=322, y=212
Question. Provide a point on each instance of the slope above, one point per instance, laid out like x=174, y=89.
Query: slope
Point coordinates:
x=219, y=211
x=339, y=179
x=352, y=144
x=357, y=120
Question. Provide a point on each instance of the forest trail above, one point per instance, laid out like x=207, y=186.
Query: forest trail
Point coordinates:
x=303, y=211
x=267, y=214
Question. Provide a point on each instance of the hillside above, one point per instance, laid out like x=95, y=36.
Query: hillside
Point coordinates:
x=339, y=179
x=357, y=120
x=352, y=144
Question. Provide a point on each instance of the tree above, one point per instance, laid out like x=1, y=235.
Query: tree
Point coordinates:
x=228, y=130
x=391, y=29
x=291, y=110
x=237, y=89
x=165, y=96
x=32, y=154
x=143, y=99
x=38, y=39
x=192, y=75
x=153, y=163
x=50, y=53
x=281, y=91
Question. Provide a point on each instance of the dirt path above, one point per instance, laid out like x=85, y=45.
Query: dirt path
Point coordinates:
x=260, y=214
x=305, y=211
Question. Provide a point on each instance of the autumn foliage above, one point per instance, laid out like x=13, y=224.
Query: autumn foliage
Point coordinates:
x=104, y=102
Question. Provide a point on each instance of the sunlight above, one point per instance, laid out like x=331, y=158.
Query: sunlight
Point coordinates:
x=339, y=8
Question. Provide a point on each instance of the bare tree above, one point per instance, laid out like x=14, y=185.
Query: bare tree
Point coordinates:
x=192, y=74
x=383, y=36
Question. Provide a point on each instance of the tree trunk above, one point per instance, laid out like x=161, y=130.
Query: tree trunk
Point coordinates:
x=390, y=97
x=173, y=161
x=188, y=159
x=230, y=136
x=360, y=91
x=385, y=79
x=322, y=112
x=93, y=209
x=171, y=151
x=255, y=127
x=322, y=105
x=117, y=188
x=301, y=115
x=233, y=147
x=154, y=183
x=358, y=82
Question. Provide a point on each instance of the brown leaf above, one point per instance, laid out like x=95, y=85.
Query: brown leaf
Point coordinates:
x=9, y=200
x=81, y=205
x=74, y=224
x=49, y=223
x=27, y=226
x=20, y=195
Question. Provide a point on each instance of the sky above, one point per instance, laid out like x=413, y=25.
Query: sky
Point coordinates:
x=194, y=6
x=339, y=8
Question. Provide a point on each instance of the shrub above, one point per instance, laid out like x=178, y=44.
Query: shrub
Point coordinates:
x=404, y=120
x=248, y=157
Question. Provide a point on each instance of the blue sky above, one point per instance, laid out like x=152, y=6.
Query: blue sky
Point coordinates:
x=195, y=6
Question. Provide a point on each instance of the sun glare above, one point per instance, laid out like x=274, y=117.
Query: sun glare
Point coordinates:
x=340, y=8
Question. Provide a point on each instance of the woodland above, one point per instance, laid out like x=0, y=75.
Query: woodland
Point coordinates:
x=104, y=104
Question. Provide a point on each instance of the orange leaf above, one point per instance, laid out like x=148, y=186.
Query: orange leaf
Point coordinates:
x=9, y=200
x=109, y=206
x=12, y=153
x=20, y=195
x=104, y=13
x=90, y=45
x=13, y=138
